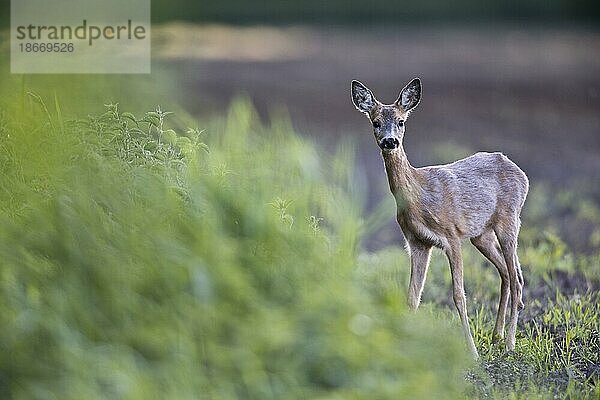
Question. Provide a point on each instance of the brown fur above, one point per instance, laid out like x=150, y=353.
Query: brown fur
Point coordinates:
x=479, y=198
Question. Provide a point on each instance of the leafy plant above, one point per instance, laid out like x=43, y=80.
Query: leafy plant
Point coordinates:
x=137, y=264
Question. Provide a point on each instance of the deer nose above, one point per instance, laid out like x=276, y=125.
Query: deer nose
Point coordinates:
x=389, y=143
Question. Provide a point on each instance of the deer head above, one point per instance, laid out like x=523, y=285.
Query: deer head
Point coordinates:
x=387, y=119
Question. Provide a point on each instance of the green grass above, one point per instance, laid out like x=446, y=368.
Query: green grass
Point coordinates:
x=558, y=340
x=149, y=255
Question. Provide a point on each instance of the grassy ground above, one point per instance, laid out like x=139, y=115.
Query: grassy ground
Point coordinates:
x=558, y=341
x=148, y=255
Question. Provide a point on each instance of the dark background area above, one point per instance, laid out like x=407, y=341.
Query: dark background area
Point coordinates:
x=373, y=12
x=376, y=11
x=521, y=77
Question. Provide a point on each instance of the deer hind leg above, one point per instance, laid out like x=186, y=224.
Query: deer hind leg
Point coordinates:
x=508, y=242
x=419, y=262
x=488, y=245
x=460, y=301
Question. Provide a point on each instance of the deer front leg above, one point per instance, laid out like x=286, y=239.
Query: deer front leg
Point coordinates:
x=419, y=262
x=460, y=300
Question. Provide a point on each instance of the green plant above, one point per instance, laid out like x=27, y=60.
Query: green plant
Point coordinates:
x=137, y=264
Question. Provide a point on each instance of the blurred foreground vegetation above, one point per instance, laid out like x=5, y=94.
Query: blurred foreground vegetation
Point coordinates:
x=139, y=261
x=144, y=257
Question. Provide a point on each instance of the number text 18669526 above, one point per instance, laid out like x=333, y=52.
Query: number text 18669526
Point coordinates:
x=46, y=47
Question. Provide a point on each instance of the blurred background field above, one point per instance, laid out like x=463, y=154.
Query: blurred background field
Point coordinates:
x=245, y=246
x=275, y=12
x=530, y=93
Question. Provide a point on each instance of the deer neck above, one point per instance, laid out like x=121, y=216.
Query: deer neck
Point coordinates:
x=402, y=177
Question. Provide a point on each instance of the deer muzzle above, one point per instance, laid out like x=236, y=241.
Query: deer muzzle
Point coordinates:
x=389, y=143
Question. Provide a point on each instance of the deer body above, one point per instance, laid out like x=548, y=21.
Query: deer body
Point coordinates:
x=479, y=197
x=462, y=199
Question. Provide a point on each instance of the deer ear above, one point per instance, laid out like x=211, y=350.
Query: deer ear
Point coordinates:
x=410, y=96
x=362, y=97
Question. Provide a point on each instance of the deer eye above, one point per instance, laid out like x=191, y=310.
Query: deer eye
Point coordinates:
x=376, y=124
x=400, y=123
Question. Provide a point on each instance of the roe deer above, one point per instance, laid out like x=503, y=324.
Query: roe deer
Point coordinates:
x=479, y=197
